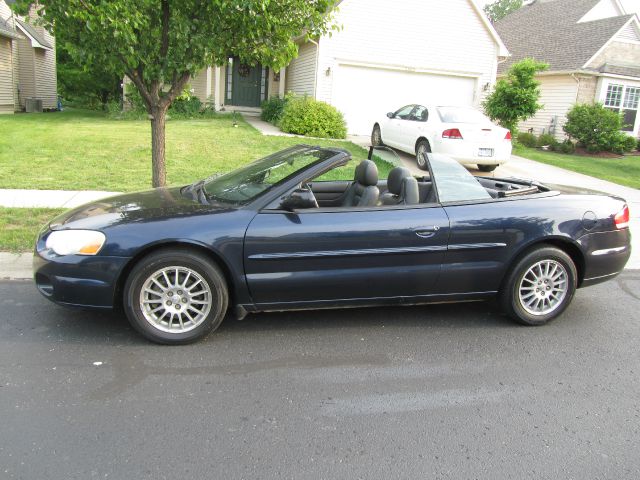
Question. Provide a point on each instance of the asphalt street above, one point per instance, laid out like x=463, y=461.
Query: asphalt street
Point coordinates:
x=439, y=392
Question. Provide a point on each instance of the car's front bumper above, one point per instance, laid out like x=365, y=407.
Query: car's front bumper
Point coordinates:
x=76, y=280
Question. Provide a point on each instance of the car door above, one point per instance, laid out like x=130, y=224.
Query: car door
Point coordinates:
x=415, y=128
x=336, y=256
x=396, y=127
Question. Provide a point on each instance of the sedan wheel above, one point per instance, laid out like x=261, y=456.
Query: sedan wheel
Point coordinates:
x=175, y=297
x=540, y=286
x=487, y=168
x=422, y=149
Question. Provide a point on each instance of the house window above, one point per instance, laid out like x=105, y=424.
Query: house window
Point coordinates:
x=263, y=84
x=614, y=96
x=628, y=108
x=229, y=80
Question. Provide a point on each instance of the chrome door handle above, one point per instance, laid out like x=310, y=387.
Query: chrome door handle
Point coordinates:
x=426, y=232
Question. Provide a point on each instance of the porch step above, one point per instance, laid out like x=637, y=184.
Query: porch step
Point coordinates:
x=251, y=111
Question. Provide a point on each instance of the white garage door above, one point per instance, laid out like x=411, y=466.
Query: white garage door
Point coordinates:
x=365, y=94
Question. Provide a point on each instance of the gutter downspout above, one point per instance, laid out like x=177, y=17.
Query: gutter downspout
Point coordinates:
x=315, y=76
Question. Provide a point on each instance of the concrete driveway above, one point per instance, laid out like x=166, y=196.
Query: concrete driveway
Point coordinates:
x=528, y=169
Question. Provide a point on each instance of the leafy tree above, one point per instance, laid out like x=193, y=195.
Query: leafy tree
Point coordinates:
x=89, y=85
x=160, y=44
x=515, y=98
x=501, y=8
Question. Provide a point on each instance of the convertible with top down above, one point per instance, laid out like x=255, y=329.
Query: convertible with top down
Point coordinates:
x=292, y=231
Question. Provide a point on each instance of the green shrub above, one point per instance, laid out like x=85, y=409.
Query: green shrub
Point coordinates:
x=272, y=109
x=527, y=139
x=638, y=146
x=546, y=139
x=185, y=107
x=567, y=147
x=596, y=128
x=306, y=116
x=630, y=144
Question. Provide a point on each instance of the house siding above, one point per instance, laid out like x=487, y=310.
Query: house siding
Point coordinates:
x=456, y=41
x=6, y=76
x=617, y=53
x=301, y=74
x=630, y=33
x=46, y=72
x=26, y=71
x=199, y=85
x=557, y=95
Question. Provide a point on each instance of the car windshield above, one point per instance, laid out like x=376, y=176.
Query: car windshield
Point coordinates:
x=243, y=185
x=453, y=182
x=461, y=115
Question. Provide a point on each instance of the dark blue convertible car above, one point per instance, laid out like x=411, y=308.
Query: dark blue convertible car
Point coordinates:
x=284, y=233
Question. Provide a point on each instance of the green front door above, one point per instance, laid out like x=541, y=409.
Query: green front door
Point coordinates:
x=246, y=85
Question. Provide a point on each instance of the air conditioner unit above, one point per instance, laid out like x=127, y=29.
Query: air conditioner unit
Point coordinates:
x=33, y=105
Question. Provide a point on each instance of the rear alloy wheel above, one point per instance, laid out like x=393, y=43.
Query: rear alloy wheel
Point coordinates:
x=540, y=286
x=422, y=149
x=376, y=136
x=175, y=297
x=487, y=168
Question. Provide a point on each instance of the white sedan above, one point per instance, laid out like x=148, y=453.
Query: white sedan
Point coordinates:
x=462, y=133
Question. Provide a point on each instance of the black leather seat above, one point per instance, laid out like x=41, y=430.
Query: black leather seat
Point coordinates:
x=363, y=192
x=402, y=188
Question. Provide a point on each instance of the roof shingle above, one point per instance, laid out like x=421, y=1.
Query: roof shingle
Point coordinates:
x=549, y=32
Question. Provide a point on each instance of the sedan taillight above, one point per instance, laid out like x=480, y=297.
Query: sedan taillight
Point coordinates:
x=622, y=218
x=452, y=133
x=508, y=136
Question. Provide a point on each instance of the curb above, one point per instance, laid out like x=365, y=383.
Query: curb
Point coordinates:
x=16, y=266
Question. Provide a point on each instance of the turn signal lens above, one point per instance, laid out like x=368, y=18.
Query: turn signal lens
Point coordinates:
x=507, y=136
x=452, y=133
x=622, y=218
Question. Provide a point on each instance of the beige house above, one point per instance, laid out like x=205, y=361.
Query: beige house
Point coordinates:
x=27, y=63
x=593, y=51
x=387, y=54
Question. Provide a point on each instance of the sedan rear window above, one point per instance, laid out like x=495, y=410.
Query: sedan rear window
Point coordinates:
x=461, y=115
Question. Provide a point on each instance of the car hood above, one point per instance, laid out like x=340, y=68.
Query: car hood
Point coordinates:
x=158, y=203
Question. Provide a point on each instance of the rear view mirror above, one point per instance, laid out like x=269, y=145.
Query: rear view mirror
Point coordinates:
x=300, y=198
x=391, y=114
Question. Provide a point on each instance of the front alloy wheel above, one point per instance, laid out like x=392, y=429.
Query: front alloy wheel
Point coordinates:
x=175, y=296
x=422, y=149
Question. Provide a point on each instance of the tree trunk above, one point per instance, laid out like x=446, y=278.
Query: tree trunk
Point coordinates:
x=158, y=167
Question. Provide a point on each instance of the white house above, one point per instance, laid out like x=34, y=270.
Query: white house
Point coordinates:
x=387, y=54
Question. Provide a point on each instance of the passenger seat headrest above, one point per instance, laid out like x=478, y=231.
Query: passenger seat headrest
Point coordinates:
x=394, y=180
x=367, y=173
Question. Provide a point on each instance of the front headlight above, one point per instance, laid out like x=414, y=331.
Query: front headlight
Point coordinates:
x=75, y=242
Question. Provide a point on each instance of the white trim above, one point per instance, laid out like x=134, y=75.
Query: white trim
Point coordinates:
x=217, y=104
x=608, y=42
x=34, y=43
x=502, y=48
x=408, y=68
x=207, y=88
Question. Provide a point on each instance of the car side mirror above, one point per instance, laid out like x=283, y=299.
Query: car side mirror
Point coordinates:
x=391, y=114
x=299, y=198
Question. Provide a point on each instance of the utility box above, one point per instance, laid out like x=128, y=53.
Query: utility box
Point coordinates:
x=33, y=105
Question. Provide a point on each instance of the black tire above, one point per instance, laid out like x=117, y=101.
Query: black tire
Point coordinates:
x=184, y=261
x=422, y=148
x=515, y=287
x=487, y=168
x=376, y=136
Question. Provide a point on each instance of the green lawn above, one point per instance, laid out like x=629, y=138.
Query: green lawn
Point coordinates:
x=82, y=150
x=19, y=226
x=624, y=171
